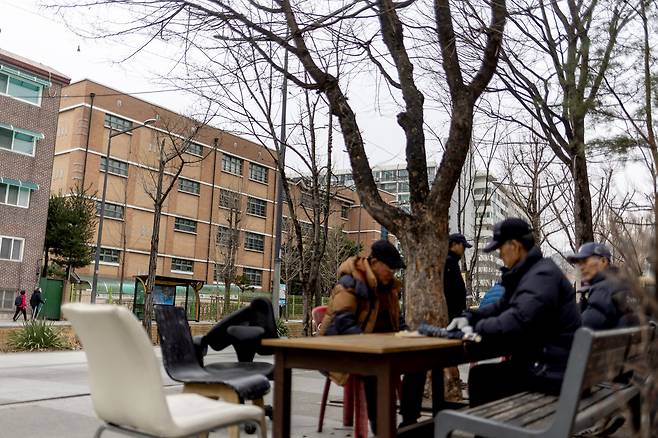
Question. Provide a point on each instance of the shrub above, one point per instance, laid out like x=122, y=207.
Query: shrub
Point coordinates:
x=281, y=328
x=37, y=335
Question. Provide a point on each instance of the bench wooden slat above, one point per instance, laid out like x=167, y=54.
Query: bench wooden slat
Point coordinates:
x=596, y=361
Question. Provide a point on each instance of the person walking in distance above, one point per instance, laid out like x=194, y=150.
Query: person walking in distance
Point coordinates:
x=36, y=302
x=21, y=304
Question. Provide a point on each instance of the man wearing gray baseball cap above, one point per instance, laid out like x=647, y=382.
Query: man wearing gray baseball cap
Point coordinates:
x=606, y=301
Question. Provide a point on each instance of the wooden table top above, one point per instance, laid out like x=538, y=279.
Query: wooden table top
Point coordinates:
x=377, y=343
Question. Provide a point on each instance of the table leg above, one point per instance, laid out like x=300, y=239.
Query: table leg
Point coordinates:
x=386, y=414
x=282, y=387
x=438, y=397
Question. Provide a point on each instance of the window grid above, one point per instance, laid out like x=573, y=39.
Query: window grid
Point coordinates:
x=17, y=141
x=182, y=265
x=344, y=211
x=188, y=186
x=117, y=167
x=258, y=173
x=224, y=235
x=257, y=207
x=255, y=276
x=254, y=241
x=229, y=199
x=194, y=149
x=11, y=248
x=14, y=195
x=20, y=89
x=232, y=164
x=113, y=211
x=109, y=255
x=182, y=224
x=117, y=123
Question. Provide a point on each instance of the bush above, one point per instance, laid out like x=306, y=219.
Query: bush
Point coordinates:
x=37, y=335
x=281, y=328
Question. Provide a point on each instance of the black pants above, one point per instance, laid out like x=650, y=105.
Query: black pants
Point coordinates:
x=411, y=398
x=489, y=382
x=19, y=310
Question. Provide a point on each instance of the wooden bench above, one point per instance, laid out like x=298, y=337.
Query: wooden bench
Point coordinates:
x=589, y=393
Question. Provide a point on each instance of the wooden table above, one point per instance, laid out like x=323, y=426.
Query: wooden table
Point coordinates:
x=382, y=355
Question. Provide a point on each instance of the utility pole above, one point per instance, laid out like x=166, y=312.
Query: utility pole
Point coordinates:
x=278, y=213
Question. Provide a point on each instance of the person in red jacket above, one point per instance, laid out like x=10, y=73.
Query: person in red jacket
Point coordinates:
x=21, y=306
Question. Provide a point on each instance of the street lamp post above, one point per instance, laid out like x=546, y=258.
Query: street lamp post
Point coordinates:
x=94, y=283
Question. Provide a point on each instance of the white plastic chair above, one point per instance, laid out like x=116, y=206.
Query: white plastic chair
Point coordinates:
x=126, y=386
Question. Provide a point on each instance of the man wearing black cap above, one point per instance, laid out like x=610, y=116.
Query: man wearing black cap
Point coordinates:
x=605, y=300
x=366, y=300
x=453, y=282
x=536, y=318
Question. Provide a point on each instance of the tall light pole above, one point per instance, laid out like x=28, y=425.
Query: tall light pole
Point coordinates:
x=278, y=212
x=94, y=282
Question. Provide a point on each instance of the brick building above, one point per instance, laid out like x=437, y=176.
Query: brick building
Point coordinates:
x=196, y=214
x=29, y=105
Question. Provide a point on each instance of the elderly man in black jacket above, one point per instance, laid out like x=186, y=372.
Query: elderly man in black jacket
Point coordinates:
x=537, y=317
x=453, y=282
x=606, y=301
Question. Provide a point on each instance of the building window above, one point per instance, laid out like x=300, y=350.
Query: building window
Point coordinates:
x=345, y=211
x=14, y=195
x=109, y=255
x=232, y=164
x=189, y=186
x=255, y=276
x=224, y=235
x=403, y=174
x=257, y=207
x=116, y=167
x=187, y=225
x=229, y=199
x=389, y=187
x=113, y=211
x=117, y=123
x=182, y=265
x=194, y=149
x=20, y=88
x=307, y=200
x=16, y=141
x=254, y=242
x=403, y=187
x=389, y=175
x=11, y=248
x=258, y=173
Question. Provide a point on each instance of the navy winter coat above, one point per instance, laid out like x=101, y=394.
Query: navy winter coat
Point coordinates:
x=608, y=305
x=537, y=315
x=453, y=286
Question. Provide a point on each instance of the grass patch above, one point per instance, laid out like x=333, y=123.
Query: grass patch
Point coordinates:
x=38, y=335
x=281, y=328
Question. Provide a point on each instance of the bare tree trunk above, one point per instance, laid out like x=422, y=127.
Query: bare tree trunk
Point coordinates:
x=155, y=242
x=583, y=199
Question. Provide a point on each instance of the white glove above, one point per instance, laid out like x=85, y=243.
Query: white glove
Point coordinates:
x=459, y=323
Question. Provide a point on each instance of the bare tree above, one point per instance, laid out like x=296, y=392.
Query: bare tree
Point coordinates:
x=174, y=139
x=555, y=70
x=312, y=33
x=228, y=240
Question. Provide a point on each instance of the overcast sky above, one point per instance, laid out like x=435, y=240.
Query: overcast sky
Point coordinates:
x=38, y=34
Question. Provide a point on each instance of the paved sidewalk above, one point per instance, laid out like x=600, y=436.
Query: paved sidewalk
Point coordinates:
x=47, y=395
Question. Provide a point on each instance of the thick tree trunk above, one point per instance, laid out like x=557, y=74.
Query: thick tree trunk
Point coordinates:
x=582, y=199
x=426, y=249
